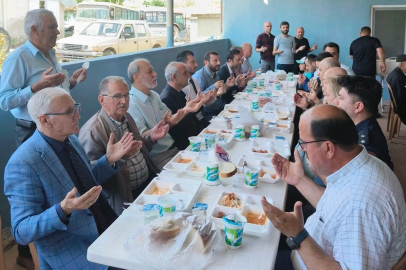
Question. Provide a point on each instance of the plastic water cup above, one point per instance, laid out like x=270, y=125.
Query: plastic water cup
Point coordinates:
x=210, y=140
x=251, y=176
x=168, y=203
x=255, y=104
x=195, y=144
x=151, y=212
x=233, y=230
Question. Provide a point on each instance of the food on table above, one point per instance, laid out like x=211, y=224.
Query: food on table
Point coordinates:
x=220, y=214
x=232, y=200
x=160, y=191
x=233, y=111
x=197, y=169
x=166, y=230
x=256, y=218
x=283, y=116
x=281, y=126
x=224, y=131
x=228, y=169
x=260, y=151
x=207, y=131
x=184, y=160
x=274, y=176
x=265, y=174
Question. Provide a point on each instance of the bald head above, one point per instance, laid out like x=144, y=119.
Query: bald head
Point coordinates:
x=267, y=27
x=334, y=72
x=326, y=64
x=328, y=122
x=299, y=32
x=246, y=50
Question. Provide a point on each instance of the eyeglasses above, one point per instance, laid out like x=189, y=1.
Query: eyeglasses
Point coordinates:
x=303, y=143
x=70, y=112
x=118, y=97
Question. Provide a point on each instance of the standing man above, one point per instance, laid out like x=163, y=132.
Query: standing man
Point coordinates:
x=33, y=67
x=209, y=80
x=27, y=70
x=192, y=90
x=301, y=41
x=284, y=47
x=227, y=73
x=363, y=51
x=148, y=110
x=264, y=46
x=54, y=193
x=397, y=80
x=172, y=95
x=137, y=168
x=334, y=49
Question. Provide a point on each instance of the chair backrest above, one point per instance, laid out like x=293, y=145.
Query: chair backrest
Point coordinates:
x=2, y=262
x=392, y=97
x=401, y=265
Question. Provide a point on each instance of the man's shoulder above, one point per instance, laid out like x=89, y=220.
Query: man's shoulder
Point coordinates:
x=91, y=124
x=198, y=73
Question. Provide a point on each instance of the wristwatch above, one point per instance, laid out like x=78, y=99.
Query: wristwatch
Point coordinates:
x=294, y=242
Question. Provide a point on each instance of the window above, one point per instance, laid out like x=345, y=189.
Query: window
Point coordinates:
x=119, y=13
x=179, y=20
x=141, y=30
x=128, y=31
x=99, y=13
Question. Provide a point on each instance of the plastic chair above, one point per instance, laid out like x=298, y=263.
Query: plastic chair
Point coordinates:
x=401, y=265
x=2, y=261
x=394, y=127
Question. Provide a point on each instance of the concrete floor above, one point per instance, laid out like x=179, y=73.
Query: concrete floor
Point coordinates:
x=397, y=149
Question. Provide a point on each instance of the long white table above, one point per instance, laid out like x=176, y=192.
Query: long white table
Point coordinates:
x=255, y=252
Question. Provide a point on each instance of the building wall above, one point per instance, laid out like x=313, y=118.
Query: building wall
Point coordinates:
x=86, y=92
x=323, y=20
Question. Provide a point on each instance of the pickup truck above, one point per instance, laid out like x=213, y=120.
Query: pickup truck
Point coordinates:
x=106, y=37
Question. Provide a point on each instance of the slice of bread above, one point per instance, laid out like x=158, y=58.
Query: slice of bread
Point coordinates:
x=227, y=169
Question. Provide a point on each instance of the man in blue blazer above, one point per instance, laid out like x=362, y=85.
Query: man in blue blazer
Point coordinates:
x=228, y=70
x=55, y=195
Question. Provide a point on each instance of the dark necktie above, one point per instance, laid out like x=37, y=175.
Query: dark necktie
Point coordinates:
x=193, y=84
x=86, y=185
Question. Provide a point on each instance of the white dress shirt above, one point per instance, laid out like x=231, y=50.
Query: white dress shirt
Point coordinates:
x=190, y=92
x=361, y=218
x=348, y=69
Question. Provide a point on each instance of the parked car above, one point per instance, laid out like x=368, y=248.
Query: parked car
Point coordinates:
x=106, y=37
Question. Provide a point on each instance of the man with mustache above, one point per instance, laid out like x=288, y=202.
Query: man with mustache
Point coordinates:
x=209, y=80
x=137, y=167
x=284, y=47
x=148, y=110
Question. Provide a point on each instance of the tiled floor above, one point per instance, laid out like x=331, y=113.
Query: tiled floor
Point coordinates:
x=397, y=148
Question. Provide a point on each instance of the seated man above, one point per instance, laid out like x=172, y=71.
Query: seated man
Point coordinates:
x=55, y=195
x=137, y=168
x=209, y=80
x=318, y=59
x=334, y=49
x=148, y=110
x=359, y=97
x=228, y=70
x=192, y=90
x=177, y=78
x=246, y=65
x=310, y=68
x=360, y=218
x=397, y=80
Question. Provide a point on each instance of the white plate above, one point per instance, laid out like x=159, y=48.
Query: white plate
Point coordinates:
x=200, y=166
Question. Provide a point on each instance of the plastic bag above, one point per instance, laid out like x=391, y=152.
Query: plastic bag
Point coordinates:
x=179, y=241
x=248, y=120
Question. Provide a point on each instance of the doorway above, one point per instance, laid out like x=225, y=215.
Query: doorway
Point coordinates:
x=388, y=23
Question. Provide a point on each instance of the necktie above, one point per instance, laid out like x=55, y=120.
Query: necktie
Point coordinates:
x=193, y=84
x=86, y=185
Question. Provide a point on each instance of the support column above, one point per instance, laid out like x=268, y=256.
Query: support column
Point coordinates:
x=169, y=23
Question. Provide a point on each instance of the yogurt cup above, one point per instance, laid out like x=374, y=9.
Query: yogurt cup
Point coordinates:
x=168, y=203
x=248, y=90
x=212, y=174
x=255, y=104
x=277, y=86
x=290, y=74
x=239, y=134
x=254, y=84
x=233, y=230
x=290, y=79
x=251, y=175
x=210, y=140
x=258, y=73
x=255, y=132
x=195, y=144
x=261, y=82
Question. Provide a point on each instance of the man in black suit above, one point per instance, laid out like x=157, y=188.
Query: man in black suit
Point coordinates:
x=397, y=81
x=234, y=61
x=172, y=95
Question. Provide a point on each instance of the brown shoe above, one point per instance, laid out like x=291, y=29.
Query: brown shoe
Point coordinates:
x=26, y=262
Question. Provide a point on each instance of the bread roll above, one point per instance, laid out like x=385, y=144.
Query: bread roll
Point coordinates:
x=227, y=169
x=166, y=230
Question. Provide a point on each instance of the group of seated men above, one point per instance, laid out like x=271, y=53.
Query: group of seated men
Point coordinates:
x=65, y=190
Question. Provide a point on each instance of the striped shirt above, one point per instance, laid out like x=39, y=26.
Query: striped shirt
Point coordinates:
x=361, y=218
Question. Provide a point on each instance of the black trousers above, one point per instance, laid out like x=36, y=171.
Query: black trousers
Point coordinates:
x=24, y=130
